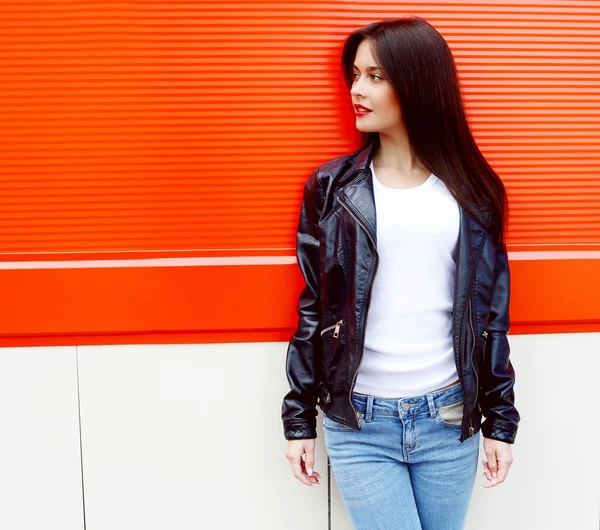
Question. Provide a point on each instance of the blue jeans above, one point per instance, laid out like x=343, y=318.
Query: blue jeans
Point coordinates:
x=405, y=469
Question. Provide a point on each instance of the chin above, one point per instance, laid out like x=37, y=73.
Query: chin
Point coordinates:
x=367, y=129
x=364, y=127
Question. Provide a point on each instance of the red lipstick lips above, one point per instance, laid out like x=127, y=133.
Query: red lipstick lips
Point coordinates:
x=361, y=110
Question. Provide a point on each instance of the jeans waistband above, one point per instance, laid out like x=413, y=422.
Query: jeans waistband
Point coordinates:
x=369, y=405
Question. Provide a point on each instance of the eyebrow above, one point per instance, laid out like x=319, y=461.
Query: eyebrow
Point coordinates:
x=369, y=68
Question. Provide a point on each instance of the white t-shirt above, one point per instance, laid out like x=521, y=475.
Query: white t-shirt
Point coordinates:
x=408, y=341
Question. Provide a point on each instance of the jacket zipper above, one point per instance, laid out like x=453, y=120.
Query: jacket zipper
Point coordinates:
x=370, y=285
x=471, y=429
x=337, y=327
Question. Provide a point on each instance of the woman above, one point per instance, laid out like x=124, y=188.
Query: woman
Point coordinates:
x=403, y=321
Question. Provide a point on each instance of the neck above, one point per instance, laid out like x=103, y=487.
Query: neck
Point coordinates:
x=395, y=152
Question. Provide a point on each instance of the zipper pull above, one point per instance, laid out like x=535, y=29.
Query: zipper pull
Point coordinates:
x=471, y=431
x=336, y=332
x=485, y=334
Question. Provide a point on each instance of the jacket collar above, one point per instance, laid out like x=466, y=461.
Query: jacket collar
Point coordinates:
x=357, y=192
x=361, y=160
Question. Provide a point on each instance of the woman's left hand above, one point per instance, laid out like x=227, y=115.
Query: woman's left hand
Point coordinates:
x=499, y=455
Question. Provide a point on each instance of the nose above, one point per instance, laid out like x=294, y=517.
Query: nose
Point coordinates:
x=356, y=89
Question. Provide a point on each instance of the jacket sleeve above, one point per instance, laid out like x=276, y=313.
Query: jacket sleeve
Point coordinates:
x=298, y=410
x=498, y=375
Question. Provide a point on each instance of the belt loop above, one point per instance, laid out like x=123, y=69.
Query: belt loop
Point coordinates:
x=369, y=411
x=431, y=404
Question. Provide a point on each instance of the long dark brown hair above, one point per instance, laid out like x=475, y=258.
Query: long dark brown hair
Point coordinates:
x=418, y=63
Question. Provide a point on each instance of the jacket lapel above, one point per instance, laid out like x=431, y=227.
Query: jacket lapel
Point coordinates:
x=358, y=194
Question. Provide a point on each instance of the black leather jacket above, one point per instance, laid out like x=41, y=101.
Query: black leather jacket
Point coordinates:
x=337, y=254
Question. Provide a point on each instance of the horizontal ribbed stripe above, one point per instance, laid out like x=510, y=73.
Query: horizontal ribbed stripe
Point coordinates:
x=247, y=260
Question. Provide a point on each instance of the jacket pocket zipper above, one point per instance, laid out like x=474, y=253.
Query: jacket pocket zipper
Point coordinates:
x=484, y=334
x=335, y=326
x=471, y=428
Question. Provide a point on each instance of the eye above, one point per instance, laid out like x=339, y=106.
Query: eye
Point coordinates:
x=378, y=77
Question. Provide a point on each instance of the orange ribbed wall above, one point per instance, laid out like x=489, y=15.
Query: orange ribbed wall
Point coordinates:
x=140, y=131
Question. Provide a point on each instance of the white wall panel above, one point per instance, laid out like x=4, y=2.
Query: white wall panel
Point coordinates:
x=40, y=466
x=190, y=436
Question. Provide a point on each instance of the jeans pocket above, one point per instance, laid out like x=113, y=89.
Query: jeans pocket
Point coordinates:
x=333, y=425
x=451, y=415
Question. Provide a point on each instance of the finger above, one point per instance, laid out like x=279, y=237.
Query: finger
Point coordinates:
x=503, y=468
x=309, y=461
x=494, y=481
x=313, y=479
x=492, y=463
x=301, y=475
x=486, y=471
x=298, y=472
x=491, y=483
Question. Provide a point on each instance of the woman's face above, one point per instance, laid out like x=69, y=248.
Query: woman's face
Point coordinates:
x=372, y=90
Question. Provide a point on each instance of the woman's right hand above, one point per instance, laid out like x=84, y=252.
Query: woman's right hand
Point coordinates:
x=303, y=469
